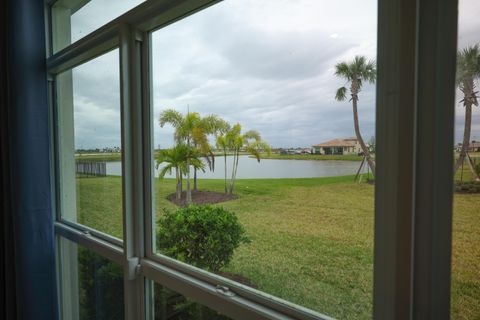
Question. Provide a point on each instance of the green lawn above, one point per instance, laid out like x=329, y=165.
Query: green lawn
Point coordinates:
x=312, y=239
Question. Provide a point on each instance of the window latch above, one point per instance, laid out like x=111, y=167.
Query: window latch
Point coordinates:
x=134, y=268
x=224, y=291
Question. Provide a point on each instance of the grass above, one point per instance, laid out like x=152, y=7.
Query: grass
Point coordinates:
x=312, y=157
x=113, y=156
x=312, y=239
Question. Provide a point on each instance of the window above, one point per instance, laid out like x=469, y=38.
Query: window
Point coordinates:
x=89, y=134
x=113, y=213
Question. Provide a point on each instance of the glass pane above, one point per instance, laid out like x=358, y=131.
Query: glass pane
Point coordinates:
x=170, y=305
x=74, y=19
x=89, y=141
x=244, y=79
x=465, y=302
x=91, y=286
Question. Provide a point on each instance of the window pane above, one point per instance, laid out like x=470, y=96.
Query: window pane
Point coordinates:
x=91, y=286
x=465, y=301
x=170, y=305
x=74, y=19
x=295, y=224
x=89, y=141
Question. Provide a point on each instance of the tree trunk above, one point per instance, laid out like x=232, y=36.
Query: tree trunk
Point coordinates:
x=179, y=184
x=366, y=153
x=194, y=179
x=233, y=171
x=225, y=158
x=189, y=191
x=466, y=137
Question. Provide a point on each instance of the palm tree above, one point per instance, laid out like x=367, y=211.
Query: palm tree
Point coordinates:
x=176, y=158
x=355, y=73
x=223, y=144
x=212, y=125
x=189, y=129
x=250, y=142
x=468, y=72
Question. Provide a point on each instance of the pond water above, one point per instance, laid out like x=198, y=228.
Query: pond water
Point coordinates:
x=249, y=168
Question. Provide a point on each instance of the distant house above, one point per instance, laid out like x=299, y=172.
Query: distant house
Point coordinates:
x=338, y=146
x=474, y=146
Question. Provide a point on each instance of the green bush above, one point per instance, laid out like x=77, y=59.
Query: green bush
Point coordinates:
x=100, y=285
x=467, y=187
x=203, y=236
x=477, y=168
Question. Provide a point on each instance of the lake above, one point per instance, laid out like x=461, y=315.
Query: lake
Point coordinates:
x=249, y=168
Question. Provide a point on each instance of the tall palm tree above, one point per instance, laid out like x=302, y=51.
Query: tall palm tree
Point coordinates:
x=356, y=72
x=249, y=142
x=468, y=73
x=189, y=129
x=176, y=158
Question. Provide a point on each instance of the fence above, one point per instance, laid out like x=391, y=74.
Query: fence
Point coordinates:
x=91, y=168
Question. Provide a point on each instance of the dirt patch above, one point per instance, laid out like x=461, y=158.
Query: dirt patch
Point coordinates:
x=201, y=197
x=238, y=278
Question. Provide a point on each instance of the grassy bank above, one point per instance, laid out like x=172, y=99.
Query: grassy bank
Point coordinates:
x=311, y=157
x=312, y=239
x=113, y=156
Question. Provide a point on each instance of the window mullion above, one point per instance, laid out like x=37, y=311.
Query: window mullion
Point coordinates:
x=395, y=159
x=436, y=68
x=132, y=170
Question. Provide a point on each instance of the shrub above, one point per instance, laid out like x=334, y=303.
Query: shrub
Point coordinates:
x=203, y=236
x=467, y=187
x=100, y=285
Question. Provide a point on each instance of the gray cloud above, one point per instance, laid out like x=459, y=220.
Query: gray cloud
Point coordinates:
x=266, y=64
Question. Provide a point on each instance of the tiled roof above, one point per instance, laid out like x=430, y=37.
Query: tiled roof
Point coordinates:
x=348, y=142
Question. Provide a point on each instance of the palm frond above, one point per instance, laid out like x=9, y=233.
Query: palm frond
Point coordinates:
x=468, y=64
x=167, y=169
x=343, y=70
x=172, y=117
x=252, y=134
x=256, y=148
x=341, y=94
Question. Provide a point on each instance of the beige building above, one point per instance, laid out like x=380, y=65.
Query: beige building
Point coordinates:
x=338, y=146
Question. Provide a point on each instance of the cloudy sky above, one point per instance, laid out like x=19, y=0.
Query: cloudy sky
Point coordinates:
x=267, y=64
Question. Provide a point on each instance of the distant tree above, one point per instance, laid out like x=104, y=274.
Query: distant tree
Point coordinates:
x=224, y=145
x=468, y=73
x=176, y=158
x=249, y=142
x=212, y=125
x=190, y=130
x=356, y=73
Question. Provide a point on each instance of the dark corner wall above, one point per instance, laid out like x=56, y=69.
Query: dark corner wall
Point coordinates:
x=7, y=270
x=27, y=238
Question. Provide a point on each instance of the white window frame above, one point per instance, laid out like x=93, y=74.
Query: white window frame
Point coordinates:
x=413, y=194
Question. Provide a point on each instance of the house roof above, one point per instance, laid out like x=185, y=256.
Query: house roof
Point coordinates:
x=347, y=142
